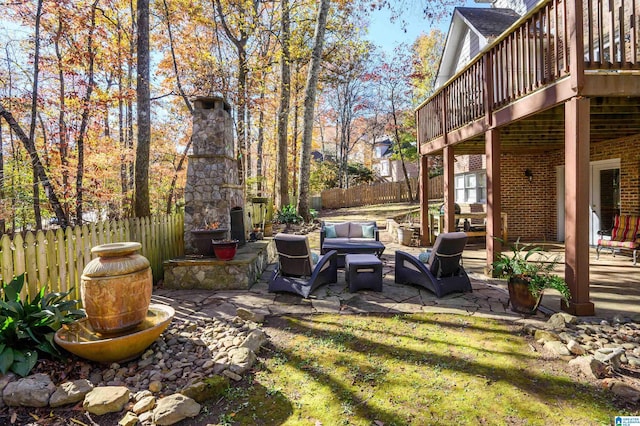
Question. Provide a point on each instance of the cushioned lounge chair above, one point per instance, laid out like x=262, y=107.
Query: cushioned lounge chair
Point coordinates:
x=442, y=273
x=296, y=271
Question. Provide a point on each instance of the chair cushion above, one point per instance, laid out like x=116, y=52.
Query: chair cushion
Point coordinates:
x=620, y=244
x=330, y=231
x=342, y=229
x=368, y=231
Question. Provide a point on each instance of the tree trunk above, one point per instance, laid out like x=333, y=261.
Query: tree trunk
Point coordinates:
x=142, y=208
x=183, y=157
x=34, y=111
x=397, y=132
x=63, y=145
x=260, y=145
x=282, y=198
x=309, y=105
x=85, y=117
x=37, y=165
x=296, y=117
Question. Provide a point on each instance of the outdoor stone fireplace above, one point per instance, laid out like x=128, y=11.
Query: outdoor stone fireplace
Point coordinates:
x=212, y=187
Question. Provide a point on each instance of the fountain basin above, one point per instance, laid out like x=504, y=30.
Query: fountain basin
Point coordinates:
x=82, y=340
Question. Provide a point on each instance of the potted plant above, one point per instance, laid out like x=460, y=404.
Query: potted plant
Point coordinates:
x=528, y=276
x=203, y=236
x=225, y=249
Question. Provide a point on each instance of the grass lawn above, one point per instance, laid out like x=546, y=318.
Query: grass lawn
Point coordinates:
x=408, y=369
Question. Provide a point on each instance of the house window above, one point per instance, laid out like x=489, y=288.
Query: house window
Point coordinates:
x=384, y=168
x=471, y=187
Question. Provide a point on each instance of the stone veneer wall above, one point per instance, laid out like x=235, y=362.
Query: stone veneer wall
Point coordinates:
x=212, y=187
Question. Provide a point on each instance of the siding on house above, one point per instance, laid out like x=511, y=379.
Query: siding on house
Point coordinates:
x=520, y=6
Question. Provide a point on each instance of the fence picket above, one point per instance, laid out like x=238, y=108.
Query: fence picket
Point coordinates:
x=30, y=264
x=7, y=259
x=18, y=259
x=52, y=262
x=79, y=256
x=62, y=260
x=71, y=270
x=41, y=260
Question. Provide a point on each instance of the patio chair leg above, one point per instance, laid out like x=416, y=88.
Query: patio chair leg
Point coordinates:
x=598, y=252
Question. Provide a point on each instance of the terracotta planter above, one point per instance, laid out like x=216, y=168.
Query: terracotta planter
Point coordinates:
x=116, y=287
x=202, y=239
x=225, y=250
x=520, y=298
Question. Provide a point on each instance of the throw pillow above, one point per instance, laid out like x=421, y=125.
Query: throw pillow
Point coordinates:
x=424, y=256
x=342, y=229
x=355, y=230
x=314, y=258
x=330, y=231
x=367, y=231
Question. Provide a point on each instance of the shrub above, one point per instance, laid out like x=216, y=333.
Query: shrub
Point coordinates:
x=27, y=327
x=288, y=214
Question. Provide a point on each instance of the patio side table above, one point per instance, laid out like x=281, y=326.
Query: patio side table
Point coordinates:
x=363, y=271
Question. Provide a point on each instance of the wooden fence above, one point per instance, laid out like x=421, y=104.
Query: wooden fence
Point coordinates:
x=379, y=193
x=56, y=258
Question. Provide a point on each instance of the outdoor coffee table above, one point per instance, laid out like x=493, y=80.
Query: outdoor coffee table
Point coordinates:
x=343, y=248
x=363, y=271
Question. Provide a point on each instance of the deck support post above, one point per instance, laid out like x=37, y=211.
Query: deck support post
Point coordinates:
x=425, y=230
x=576, y=221
x=449, y=193
x=494, y=202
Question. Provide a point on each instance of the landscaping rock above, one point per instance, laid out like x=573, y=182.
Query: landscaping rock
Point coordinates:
x=145, y=404
x=556, y=322
x=129, y=419
x=207, y=389
x=4, y=381
x=546, y=336
x=155, y=386
x=611, y=356
x=106, y=399
x=31, y=391
x=174, y=408
x=254, y=340
x=625, y=391
x=590, y=366
x=70, y=393
x=233, y=376
x=251, y=315
x=557, y=348
x=241, y=359
x=575, y=348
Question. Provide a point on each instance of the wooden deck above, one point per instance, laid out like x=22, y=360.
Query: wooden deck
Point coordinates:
x=520, y=82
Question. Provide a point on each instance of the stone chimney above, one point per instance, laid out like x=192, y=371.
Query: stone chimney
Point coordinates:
x=212, y=187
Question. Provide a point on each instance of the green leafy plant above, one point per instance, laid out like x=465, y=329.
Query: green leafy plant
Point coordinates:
x=288, y=214
x=27, y=327
x=537, y=272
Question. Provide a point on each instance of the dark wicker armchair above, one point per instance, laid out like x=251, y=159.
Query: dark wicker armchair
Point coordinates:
x=443, y=273
x=296, y=271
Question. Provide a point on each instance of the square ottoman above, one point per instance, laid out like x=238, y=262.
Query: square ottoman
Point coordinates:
x=363, y=271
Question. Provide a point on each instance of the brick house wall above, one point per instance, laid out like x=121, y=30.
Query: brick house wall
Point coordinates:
x=628, y=151
x=531, y=207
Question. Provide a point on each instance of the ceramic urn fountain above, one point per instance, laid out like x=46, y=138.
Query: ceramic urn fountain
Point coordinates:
x=116, y=293
x=116, y=287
